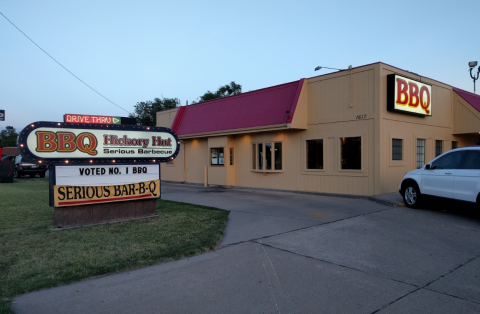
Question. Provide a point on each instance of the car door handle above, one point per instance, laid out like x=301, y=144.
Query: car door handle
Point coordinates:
x=448, y=172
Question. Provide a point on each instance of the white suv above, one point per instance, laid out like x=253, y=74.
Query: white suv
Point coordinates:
x=454, y=175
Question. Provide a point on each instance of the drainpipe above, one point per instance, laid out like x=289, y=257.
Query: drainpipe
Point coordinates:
x=184, y=163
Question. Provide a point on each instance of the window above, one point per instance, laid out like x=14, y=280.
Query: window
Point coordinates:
x=271, y=160
x=438, y=148
x=351, y=153
x=260, y=156
x=268, y=156
x=420, y=153
x=231, y=156
x=216, y=155
x=450, y=161
x=278, y=156
x=397, y=147
x=314, y=154
x=454, y=144
x=473, y=160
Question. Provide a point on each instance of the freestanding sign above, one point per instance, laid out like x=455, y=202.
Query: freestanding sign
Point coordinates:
x=99, y=172
x=408, y=96
x=55, y=142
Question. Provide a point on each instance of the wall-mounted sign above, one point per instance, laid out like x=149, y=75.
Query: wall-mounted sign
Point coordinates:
x=408, y=96
x=55, y=142
x=65, y=195
x=2, y=115
x=83, y=118
x=106, y=175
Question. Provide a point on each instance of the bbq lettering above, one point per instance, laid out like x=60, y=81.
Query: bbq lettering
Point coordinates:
x=409, y=94
x=66, y=142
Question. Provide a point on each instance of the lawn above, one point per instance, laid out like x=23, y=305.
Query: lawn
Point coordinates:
x=34, y=257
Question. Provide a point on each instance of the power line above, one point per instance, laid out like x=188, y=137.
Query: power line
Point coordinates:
x=60, y=63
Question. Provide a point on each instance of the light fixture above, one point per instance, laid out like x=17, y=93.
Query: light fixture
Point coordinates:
x=472, y=65
x=113, y=160
x=91, y=161
x=66, y=161
x=319, y=67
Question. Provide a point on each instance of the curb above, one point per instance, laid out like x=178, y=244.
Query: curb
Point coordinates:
x=370, y=198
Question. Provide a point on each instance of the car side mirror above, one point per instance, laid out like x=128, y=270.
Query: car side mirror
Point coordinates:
x=427, y=167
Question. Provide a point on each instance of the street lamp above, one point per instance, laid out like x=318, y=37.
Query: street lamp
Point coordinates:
x=319, y=67
x=472, y=65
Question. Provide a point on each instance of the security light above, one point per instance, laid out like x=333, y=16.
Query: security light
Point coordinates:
x=319, y=67
x=470, y=64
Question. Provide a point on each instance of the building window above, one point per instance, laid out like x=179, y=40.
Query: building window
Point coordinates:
x=260, y=156
x=216, y=155
x=454, y=144
x=270, y=160
x=438, y=148
x=420, y=153
x=278, y=156
x=397, y=147
x=351, y=153
x=231, y=156
x=314, y=154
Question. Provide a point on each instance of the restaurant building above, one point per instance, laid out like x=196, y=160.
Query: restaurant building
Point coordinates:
x=356, y=131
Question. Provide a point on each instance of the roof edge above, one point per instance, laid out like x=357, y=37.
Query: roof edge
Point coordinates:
x=295, y=100
x=273, y=127
x=178, y=117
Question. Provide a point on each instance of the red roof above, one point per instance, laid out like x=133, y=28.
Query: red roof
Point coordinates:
x=268, y=106
x=472, y=99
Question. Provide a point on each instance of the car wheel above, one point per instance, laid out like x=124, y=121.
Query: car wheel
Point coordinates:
x=411, y=195
x=42, y=174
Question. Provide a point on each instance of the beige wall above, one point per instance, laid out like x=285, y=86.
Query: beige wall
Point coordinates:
x=343, y=104
x=439, y=126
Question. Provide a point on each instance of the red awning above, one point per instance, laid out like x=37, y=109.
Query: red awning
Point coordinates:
x=472, y=99
x=264, y=107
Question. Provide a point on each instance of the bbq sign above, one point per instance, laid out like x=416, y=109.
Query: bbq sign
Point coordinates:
x=55, y=142
x=408, y=96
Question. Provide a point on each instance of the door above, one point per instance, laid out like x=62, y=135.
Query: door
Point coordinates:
x=439, y=179
x=467, y=179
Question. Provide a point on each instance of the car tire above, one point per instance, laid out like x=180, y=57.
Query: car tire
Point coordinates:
x=42, y=174
x=411, y=194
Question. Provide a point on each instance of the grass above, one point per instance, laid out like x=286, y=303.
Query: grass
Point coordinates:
x=33, y=257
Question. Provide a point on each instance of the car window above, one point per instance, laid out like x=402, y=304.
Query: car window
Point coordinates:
x=18, y=160
x=450, y=161
x=473, y=160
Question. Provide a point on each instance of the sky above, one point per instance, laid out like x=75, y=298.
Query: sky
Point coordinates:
x=132, y=51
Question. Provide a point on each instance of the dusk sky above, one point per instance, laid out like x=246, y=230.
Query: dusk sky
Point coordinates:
x=133, y=51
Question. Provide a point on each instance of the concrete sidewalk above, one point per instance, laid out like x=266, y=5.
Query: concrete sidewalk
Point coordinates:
x=357, y=257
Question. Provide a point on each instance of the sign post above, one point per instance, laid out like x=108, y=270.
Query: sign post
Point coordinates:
x=99, y=172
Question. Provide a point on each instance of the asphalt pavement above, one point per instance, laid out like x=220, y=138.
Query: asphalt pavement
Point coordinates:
x=295, y=253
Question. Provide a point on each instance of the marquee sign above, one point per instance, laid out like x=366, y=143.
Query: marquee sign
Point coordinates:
x=55, y=142
x=81, y=195
x=84, y=118
x=408, y=96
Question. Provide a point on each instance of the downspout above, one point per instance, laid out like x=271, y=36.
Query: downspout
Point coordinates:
x=184, y=163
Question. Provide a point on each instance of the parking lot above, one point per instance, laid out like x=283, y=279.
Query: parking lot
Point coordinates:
x=296, y=253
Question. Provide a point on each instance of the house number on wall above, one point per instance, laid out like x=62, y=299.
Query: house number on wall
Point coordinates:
x=361, y=116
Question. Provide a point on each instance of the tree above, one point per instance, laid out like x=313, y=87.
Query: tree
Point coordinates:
x=223, y=91
x=146, y=111
x=8, y=137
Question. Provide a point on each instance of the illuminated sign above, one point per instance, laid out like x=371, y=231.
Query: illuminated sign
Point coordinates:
x=91, y=119
x=65, y=195
x=55, y=142
x=106, y=174
x=408, y=96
